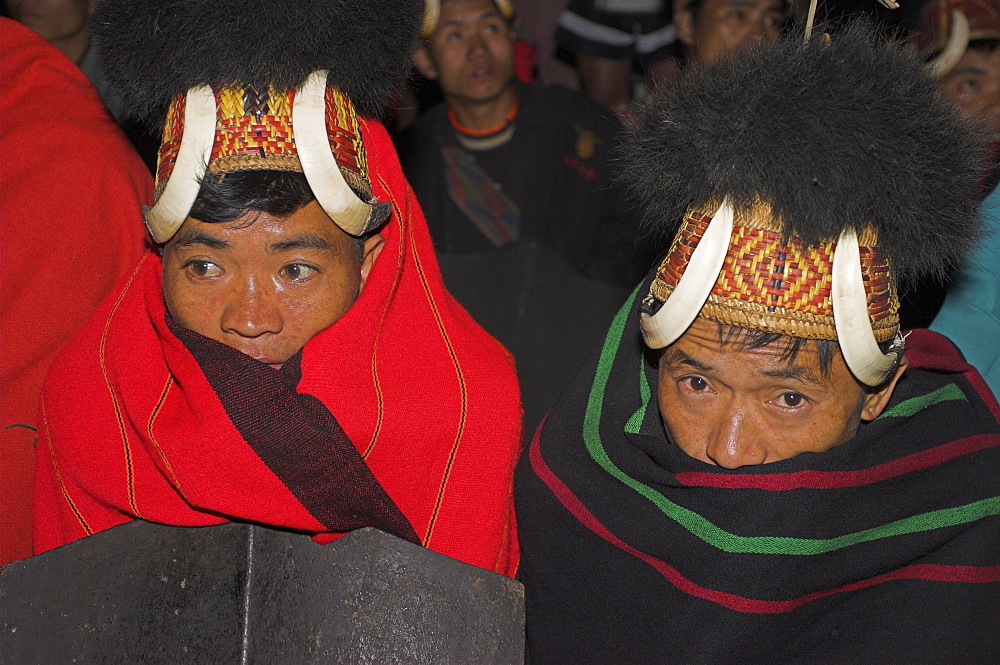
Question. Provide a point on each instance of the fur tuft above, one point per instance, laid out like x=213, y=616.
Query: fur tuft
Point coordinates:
x=152, y=51
x=831, y=136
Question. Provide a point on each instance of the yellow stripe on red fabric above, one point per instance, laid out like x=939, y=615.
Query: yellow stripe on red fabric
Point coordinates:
x=463, y=390
x=380, y=404
x=129, y=467
x=62, y=485
x=149, y=431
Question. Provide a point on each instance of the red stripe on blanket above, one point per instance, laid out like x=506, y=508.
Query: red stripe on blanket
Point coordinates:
x=776, y=482
x=931, y=572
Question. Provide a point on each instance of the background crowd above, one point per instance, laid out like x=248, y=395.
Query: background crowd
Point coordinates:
x=507, y=131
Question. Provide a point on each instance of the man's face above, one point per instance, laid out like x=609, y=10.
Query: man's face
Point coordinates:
x=973, y=87
x=731, y=406
x=471, y=52
x=264, y=285
x=54, y=20
x=722, y=25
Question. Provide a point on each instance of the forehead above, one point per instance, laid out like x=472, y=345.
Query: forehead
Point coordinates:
x=309, y=226
x=710, y=347
x=977, y=60
x=466, y=10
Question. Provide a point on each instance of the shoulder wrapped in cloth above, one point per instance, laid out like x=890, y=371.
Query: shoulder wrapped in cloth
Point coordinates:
x=402, y=415
x=885, y=547
x=134, y=427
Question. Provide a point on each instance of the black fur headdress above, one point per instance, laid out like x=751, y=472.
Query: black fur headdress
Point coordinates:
x=831, y=136
x=153, y=50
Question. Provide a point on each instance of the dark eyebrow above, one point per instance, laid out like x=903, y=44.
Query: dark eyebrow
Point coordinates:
x=795, y=373
x=677, y=357
x=792, y=372
x=303, y=241
x=194, y=237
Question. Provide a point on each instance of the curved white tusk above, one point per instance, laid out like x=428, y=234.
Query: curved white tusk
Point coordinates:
x=958, y=41
x=184, y=182
x=332, y=192
x=850, y=316
x=693, y=288
x=432, y=11
x=506, y=8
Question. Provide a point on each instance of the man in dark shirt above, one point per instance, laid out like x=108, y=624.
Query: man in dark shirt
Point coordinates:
x=515, y=180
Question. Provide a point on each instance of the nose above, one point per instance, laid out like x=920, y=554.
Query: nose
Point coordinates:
x=477, y=45
x=735, y=443
x=252, y=310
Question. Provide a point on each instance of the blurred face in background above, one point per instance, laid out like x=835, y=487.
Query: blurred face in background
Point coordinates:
x=716, y=27
x=471, y=53
x=973, y=87
x=62, y=23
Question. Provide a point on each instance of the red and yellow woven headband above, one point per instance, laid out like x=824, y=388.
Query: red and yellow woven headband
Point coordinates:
x=747, y=274
x=313, y=130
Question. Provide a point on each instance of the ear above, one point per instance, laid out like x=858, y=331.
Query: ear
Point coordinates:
x=373, y=247
x=878, y=397
x=425, y=63
x=684, y=24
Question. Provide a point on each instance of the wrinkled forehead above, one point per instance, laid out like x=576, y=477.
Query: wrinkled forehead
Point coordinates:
x=708, y=338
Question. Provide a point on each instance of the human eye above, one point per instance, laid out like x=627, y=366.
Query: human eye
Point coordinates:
x=298, y=272
x=790, y=401
x=492, y=28
x=203, y=269
x=694, y=384
x=969, y=85
x=453, y=36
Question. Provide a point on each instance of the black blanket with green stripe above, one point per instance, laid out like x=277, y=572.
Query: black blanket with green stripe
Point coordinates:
x=884, y=550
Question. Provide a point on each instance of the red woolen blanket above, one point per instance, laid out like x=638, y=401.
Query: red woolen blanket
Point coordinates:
x=133, y=426
x=70, y=190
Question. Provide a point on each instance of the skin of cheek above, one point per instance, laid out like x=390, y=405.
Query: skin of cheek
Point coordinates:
x=285, y=315
x=302, y=312
x=981, y=105
x=740, y=419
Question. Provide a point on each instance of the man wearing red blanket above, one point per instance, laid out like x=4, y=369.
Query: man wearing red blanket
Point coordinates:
x=52, y=274
x=291, y=357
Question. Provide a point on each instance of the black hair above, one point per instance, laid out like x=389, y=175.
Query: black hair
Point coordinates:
x=984, y=45
x=827, y=349
x=154, y=50
x=757, y=339
x=831, y=136
x=225, y=197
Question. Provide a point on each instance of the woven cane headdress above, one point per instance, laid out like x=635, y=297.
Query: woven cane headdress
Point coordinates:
x=947, y=27
x=251, y=85
x=810, y=180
